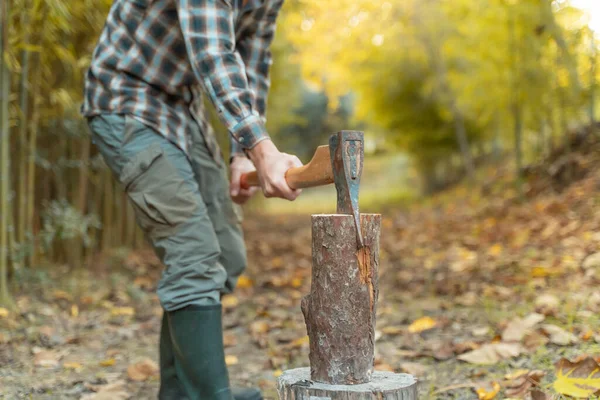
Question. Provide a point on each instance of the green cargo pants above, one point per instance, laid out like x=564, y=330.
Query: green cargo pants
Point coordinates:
x=182, y=204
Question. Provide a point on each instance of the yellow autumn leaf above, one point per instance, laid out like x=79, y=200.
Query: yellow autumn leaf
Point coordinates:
x=422, y=324
x=277, y=262
x=580, y=379
x=108, y=362
x=495, y=250
x=62, y=295
x=277, y=373
x=244, y=282
x=74, y=311
x=229, y=301
x=3, y=312
x=296, y=283
x=72, y=365
x=300, y=342
x=231, y=360
x=392, y=330
x=483, y=394
x=117, y=311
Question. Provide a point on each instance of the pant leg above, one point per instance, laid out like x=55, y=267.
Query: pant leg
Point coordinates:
x=211, y=175
x=160, y=182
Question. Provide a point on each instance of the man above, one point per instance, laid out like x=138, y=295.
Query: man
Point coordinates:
x=144, y=102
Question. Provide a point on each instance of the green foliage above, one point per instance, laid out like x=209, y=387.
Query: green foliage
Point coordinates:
x=62, y=222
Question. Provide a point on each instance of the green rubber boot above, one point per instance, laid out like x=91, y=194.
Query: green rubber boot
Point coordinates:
x=197, y=337
x=171, y=387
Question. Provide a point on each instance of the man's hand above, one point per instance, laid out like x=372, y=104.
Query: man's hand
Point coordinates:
x=240, y=166
x=271, y=166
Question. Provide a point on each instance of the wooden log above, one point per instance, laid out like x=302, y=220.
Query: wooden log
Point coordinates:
x=295, y=384
x=340, y=310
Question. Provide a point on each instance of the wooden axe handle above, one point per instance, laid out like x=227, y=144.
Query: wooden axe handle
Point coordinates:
x=316, y=173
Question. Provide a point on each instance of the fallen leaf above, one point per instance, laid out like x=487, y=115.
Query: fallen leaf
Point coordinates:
x=231, y=360
x=442, y=350
x=230, y=302
x=300, y=342
x=519, y=384
x=244, y=282
x=591, y=261
x=516, y=329
x=277, y=373
x=539, y=395
x=392, y=330
x=382, y=366
x=142, y=370
x=495, y=250
x=112, y=391
x=481, y=331
x=491, y=353
x=259, y=327
x=47, y=330
x=559, y=336
x=229, y=340
x=577, y=379
x=534, y=340
x=118, y=311
x=416, y=369
x=3, y=312
x=296, y=283
x=46, y=359
x=547, y=304
x=109, y=362
x=144, y=282
x=72, y=365
x=468, y=299
x=62, y=295
x=587, y=335
x=488, y=393
x=74, y=311
x=463, y=347
x=422, y=324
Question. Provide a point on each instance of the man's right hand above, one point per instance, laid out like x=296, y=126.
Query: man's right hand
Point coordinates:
x=272, y=165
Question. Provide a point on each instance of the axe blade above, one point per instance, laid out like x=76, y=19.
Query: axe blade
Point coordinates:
x=347, y=157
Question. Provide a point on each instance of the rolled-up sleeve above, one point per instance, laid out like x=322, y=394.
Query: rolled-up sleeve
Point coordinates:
x=208, y=30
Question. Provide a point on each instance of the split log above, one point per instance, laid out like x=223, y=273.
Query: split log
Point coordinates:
x=295, y=384
x=340, y=310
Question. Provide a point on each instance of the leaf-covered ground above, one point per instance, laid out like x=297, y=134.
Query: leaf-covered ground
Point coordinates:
x=481, y=295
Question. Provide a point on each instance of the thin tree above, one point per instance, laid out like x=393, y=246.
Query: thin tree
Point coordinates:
x=5, y=298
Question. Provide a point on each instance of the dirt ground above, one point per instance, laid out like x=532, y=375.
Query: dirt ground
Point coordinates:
x=475, y=286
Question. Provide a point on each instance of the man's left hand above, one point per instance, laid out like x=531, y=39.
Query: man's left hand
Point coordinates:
x=240, y=166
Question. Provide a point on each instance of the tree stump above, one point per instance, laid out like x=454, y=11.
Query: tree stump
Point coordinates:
x=340, y=310
x=295, y=384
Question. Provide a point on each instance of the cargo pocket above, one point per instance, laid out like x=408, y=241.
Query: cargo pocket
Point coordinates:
x=161, y=198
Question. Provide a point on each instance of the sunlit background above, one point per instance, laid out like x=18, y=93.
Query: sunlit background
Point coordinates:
x=482, y=155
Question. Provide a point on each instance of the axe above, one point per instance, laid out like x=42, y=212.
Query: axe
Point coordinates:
x=341, y=163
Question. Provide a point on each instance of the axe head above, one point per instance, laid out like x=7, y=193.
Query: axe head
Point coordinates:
x=347, y=157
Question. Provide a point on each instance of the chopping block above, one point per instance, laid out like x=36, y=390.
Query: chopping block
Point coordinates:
x=340, y=311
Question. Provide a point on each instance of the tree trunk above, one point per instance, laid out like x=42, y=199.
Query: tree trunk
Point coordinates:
x=341, y=328
x=31, y=168
x=24, y=116
x=463, y=142
x=518, y=120
x=593, y=81
x=5, y=298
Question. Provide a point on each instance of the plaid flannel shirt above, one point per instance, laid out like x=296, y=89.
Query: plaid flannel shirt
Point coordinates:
x=155, y=59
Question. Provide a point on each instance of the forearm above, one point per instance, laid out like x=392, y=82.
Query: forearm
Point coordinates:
x=208, y=31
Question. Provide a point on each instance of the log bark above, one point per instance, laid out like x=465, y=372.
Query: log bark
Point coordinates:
x=340, y=310
x=295, y=385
